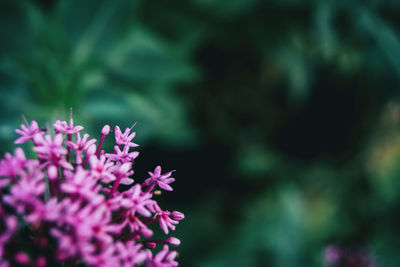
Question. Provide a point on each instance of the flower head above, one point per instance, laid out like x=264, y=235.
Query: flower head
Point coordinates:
x=80, y=208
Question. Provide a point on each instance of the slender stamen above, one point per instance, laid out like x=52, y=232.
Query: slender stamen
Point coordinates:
x=132, y=126
x=26, y=122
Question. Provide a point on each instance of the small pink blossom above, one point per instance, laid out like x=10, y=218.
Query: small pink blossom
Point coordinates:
x=162, y=181
x=81, y=145
x=11, y=165
x=124, y=138
x=51, y=150
x=27, y=132
x=164, y=258
x=123, y=156
x=122, y=172
x=64, y=127
x=101, y=168
x=81, y=183
x=165, y=218
x=135, y=200
x=130, y=253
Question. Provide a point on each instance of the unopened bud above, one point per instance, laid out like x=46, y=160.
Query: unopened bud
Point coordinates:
x=173, y=241
x=52, y=172
x=105, y=130
x=176, y=215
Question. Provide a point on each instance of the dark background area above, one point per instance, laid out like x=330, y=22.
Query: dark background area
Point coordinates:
x=281, y=117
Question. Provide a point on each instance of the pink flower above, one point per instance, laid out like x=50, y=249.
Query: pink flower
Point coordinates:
x=94, y=222
x=162, y=181
x=122, y=173
x=101, y=168
x=47, y=147
x=81, y=145
x=123, y=156
x=130, y=253
x=135, y=225
x=51, y=150
x=12, y=166
x=124, y=138
x=106, y=258
x=27, y=132
x=81, y=183
x=66, y=245
x=135, y=200
x=64, y=127
x=24, y=195
x=166, y=219
x=164, y=258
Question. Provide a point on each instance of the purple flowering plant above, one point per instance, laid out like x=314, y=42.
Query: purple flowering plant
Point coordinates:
x=67, y=206
x=342, y=256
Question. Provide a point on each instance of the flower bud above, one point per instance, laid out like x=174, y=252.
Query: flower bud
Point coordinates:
x=176, y=215
x=52, y=172
x=173, y=241
x=105, y=130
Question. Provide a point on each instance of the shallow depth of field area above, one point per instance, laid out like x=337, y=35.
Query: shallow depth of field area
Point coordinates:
x=281, y=118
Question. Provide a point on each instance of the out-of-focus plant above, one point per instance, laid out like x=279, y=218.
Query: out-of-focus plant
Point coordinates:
x=99, y=59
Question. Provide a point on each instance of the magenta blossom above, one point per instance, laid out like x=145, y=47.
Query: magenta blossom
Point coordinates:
x=166, y=219
x=125, y=138
x=102, y=169
x=162, y=181
x=76, y=213
x=64, y=127
x=122, y=155
x=164, y=258
x=11, y=166
x=27, y=132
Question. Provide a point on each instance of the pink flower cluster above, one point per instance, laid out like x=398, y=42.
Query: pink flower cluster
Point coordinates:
x=78, y=205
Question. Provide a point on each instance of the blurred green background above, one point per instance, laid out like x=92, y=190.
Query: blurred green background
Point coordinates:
x=281, y=117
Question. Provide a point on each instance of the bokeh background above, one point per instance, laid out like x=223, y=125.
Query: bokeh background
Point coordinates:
x=281, y=117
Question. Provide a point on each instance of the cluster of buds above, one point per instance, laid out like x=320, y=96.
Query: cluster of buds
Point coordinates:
x=75, y=204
